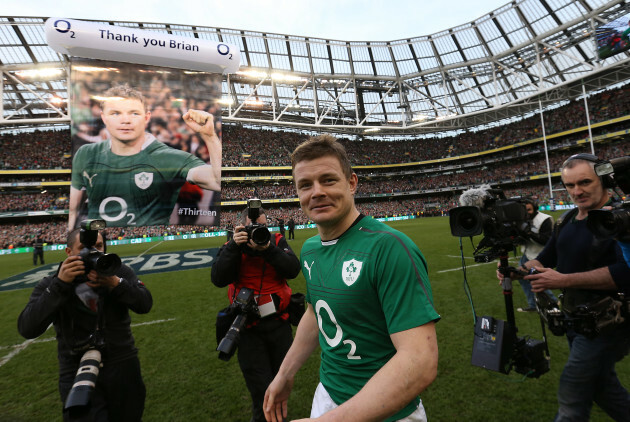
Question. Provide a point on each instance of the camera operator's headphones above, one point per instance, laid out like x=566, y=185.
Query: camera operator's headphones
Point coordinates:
x=607, y=180
x=530, y=200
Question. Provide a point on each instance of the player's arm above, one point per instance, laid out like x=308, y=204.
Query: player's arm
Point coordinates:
x=208, y=176
x=409, y=372
x=305, y=342
x=77, y=197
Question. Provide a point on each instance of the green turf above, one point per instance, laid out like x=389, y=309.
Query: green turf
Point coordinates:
x=187, y=382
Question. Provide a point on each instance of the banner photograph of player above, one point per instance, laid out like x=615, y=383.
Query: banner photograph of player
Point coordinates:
x=146, y=145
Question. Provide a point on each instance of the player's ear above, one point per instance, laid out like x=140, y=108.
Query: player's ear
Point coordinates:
x=354, y=181
x=147, y=117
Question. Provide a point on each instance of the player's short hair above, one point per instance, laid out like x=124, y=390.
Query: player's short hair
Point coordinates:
x=123, y=91
x=321, y=146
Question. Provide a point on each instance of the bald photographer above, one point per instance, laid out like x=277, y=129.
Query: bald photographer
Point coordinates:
x=88, y=301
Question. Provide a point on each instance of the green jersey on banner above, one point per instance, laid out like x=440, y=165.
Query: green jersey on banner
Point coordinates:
x=134, y=190
x=367, y=284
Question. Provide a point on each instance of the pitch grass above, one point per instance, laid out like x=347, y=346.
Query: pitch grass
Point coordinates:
x=187, y=382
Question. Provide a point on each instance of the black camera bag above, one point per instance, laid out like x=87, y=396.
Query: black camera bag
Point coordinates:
x=296, y=308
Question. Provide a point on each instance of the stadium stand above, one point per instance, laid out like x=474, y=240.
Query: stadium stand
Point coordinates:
x=411, y=188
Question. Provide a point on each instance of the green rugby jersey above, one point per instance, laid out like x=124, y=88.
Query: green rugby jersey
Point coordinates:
x=364, y=286
x=135, y=190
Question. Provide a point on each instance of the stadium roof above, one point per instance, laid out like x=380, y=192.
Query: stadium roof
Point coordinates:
x=488, y=70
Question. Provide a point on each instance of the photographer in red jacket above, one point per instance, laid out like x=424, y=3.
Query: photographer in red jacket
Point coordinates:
x=258, y=260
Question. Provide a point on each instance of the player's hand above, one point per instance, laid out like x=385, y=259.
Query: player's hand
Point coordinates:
x=277, y=398
x=200, y=121
x=71, y=268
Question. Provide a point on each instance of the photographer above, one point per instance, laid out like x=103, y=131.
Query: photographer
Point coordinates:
x=38, y=249
x=91, y=311
x=588, y=271
x=291, y=226
x=263, y=268
x=538, y=233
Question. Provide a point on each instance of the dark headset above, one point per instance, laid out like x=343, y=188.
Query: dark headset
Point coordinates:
x=607, y=180
x=530, y=200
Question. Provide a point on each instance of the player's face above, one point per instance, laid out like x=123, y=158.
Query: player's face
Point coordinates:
x=584, y=187
x=325, y=192
x=125, y=119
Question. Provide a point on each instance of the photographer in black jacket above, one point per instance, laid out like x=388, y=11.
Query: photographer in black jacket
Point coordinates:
x=263, y=267
x=92, y=312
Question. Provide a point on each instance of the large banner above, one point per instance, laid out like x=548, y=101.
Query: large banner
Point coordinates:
x=146, y=144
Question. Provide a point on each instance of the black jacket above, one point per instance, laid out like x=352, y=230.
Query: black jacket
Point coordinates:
x=54, y=301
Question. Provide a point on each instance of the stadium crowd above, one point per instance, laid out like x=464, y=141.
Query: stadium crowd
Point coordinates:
x=244, y=147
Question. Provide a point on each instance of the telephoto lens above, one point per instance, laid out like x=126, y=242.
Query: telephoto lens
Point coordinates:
x=85, y=380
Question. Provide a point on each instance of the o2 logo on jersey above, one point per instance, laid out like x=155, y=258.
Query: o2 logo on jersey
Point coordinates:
x=320, y=306
x=111, y=204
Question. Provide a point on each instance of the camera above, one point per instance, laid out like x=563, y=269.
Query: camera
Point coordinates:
x=615, y=223
x=504, y=222
x=259, y=233
x=244, y=305
x=104, y=264
x=590, y=319
x=84, y=381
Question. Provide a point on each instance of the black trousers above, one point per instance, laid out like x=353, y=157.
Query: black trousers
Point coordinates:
x=260, y=353
x=38, y=253
x=118, y=396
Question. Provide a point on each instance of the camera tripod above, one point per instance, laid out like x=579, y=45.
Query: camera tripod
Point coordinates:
x=506, y=270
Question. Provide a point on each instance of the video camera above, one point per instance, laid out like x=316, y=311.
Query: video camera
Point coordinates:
x=259, y=233
x=104, y=264
x=606, y=224
x=504, y=222
x=244, y=305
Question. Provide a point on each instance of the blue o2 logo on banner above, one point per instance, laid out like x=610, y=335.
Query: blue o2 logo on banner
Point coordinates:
x=62, y=26
x=224, y=50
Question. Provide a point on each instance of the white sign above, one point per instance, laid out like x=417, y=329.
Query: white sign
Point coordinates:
x=97, y=41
